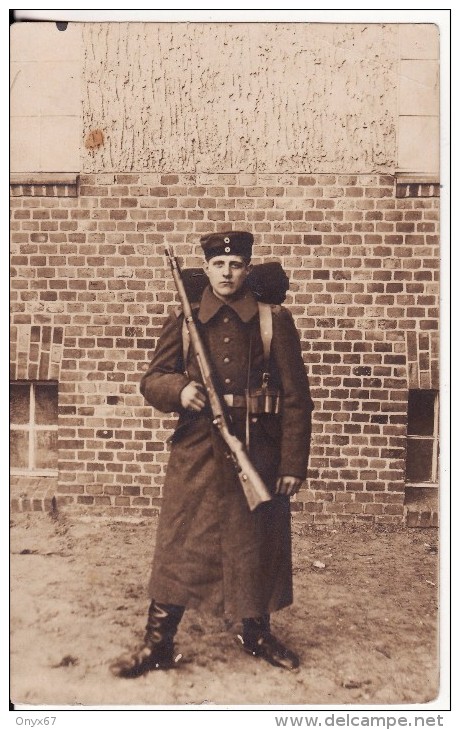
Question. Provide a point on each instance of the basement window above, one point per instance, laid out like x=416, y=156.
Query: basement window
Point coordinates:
x=34, y=427
x=422, y=438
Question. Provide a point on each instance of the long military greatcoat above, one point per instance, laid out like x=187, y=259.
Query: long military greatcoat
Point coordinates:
x=211, y=551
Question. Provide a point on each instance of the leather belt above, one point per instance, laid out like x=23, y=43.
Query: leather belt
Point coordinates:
x=235, y=401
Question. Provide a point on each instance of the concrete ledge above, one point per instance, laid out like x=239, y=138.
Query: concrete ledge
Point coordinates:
x=43, y=178
x=421, y=507
x=35, y=494
x=416, y=185
x=44, y=184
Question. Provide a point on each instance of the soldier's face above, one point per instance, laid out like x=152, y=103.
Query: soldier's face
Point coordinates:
x=227, y=275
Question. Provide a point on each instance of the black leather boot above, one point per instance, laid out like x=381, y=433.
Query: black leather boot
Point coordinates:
x=157, y=651
x=258, y=640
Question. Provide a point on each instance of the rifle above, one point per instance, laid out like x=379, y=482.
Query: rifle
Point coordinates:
x=253, y=487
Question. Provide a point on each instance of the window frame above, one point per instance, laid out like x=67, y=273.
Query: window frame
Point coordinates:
x=434, y=438
x=31, y=428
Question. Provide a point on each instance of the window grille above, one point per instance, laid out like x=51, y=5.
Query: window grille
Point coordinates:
x=34, y=427
x=422, y=437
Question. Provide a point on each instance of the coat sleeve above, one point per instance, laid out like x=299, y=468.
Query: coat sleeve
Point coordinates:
x=164, y=380
x=297, y=402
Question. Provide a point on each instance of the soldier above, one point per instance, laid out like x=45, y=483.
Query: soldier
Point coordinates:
x=212, y=553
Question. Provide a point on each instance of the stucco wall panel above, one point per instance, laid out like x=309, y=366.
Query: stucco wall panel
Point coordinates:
x=233, y=97
x=45, y=93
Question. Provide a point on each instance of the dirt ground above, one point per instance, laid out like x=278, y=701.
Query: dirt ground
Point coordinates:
x=365, y=620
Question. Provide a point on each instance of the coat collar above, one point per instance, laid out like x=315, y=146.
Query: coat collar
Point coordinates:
x=245, y=305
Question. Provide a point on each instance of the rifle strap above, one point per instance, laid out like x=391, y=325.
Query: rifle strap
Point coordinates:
x=185, y=338
x=185, y=344
x=266, y=333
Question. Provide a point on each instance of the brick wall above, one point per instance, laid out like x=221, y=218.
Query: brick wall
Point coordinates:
x=362, y=258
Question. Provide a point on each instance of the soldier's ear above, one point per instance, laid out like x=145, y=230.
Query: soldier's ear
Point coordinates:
x=248, y=268
x=205, y=266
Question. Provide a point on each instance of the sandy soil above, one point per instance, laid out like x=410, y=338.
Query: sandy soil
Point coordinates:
x=365, y=624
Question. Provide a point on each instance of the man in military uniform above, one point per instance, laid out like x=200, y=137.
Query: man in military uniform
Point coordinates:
x=212, y=552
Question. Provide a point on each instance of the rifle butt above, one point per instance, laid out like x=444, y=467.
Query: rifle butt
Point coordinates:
x=255, y=494
x=252, y=484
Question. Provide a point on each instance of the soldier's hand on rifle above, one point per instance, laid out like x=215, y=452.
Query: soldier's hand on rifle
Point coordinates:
x=193, y=397
x=288, y=485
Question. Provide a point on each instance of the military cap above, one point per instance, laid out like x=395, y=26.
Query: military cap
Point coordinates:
x=238, y=243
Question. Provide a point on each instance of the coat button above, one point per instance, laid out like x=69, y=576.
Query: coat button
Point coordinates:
x=226, y=359
x=227, y=381
x=226, y=320
x=226, y=339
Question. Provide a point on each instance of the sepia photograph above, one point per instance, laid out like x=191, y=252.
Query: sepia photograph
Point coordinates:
x=225, y=353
